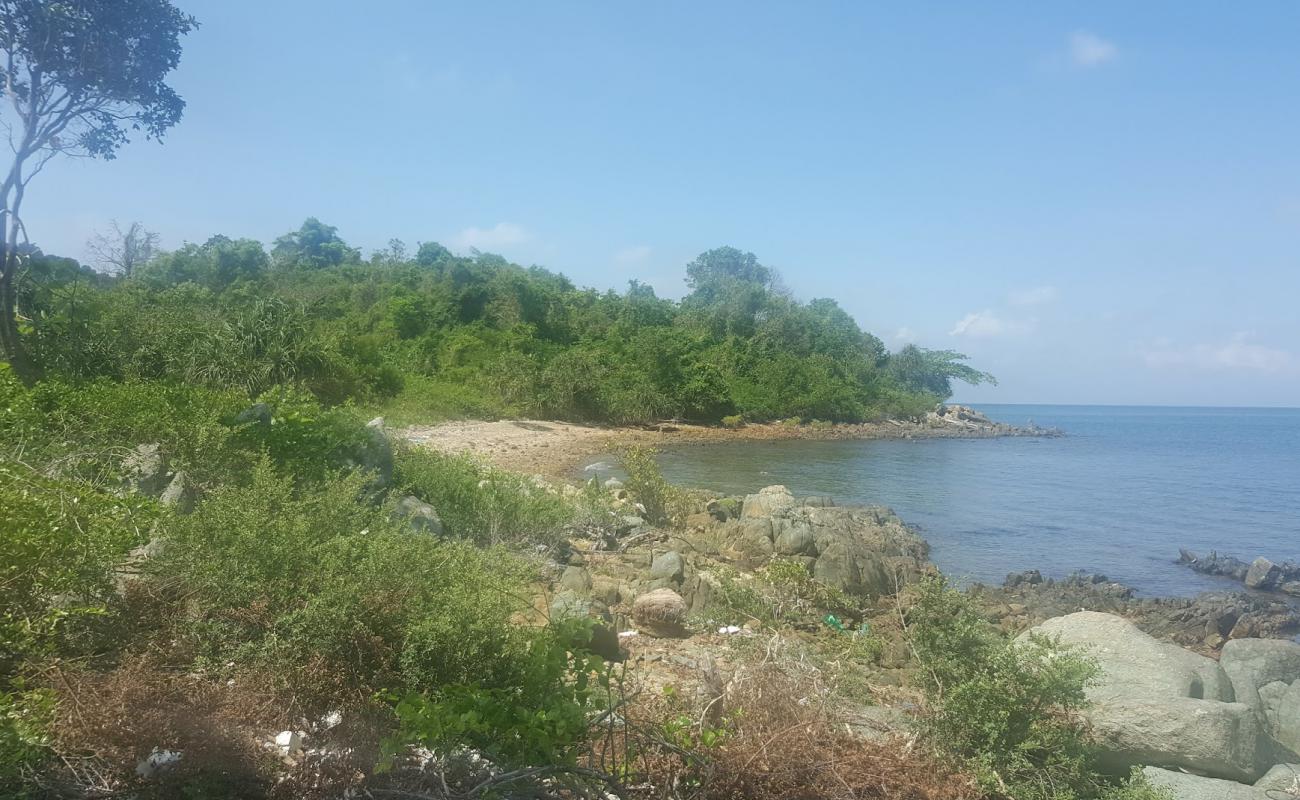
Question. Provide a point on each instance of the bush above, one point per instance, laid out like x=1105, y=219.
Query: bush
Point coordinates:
x=535, y=712
x=85, y=429
x=481, y=504
x=313, y=584
x=60, y=544
x=734, y=421
x=664, y=503
x=1008, y=711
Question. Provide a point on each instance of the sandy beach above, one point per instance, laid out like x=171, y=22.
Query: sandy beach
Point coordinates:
x=558, y=449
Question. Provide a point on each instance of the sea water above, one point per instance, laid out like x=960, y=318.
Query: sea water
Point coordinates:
x=1118, y=495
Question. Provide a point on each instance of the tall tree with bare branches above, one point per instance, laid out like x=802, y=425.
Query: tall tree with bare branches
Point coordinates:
x=120, y=251
x=79, y=76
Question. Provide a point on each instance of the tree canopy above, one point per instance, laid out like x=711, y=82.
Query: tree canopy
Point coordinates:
x=435, y=334
x=80, y=76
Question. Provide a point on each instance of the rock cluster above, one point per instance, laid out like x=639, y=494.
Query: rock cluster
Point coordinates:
x=862, y=551
x=1260, y=574
x=1204, y=622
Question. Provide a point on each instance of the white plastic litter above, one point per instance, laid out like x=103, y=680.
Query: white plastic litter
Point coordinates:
x=156, y=762
x=289, y=742
x=626, y=634
x=727, y=630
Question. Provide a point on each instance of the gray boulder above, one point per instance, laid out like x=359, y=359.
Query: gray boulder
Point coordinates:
x=1286, y=718
x=1265, y=673
x=419, y=515
x=668, y=566
x=1263, y=574
x=144, y=470
x=1194, y=787
x=863, y=551
x=1252, y=664
x=178, y=494
x=1157, y=704
x=1282, y=782
x=376, y=454
x=576, y=579
x=770, y=501
x=794, y=538
x=256, y=414
x=754, y=545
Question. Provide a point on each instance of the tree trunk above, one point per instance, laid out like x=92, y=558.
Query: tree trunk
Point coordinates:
x=10, y=339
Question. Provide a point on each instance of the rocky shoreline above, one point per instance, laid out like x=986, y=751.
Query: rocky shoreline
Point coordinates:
x=1261, y=574
x=1202, y=693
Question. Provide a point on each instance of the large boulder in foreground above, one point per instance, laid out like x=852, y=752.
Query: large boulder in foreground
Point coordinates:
x=1157, y=704
x=1265, y=675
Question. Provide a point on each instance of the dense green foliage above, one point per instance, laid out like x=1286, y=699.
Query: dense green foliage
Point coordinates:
x=294, y=573
x=438, y=334
x=537, y=712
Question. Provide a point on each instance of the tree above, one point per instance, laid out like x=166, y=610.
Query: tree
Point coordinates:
x=79, y=75
x=216, y=264
x=932, y=371
x=121, y=251
x=714, y=272
x=314, y=245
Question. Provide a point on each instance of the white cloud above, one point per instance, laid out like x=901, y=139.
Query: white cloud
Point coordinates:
x=1034, y=296
x=905, y=336
x=503, y=234
x=986, y=324
x=1238, y=353
x=1089, y=50
x=636, y=254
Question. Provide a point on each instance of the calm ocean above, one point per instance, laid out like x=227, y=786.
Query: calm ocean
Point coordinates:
x=1120, y=494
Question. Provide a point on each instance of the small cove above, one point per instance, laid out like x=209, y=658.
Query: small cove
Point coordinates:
x=1120, y=494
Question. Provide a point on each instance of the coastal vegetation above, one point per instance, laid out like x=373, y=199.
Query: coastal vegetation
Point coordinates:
x=432, y=334
x=218, y=579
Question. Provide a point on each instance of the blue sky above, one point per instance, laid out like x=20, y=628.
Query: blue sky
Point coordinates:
x=1100, y=203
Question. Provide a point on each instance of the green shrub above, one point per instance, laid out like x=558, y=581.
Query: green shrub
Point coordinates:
x=537, y=713
x=1009, y=711
x=664, y=503
x=330, y=591
x=797, y=594
x=25, y=720
x=479, y=503
x=62, y=541
x=734, y=421
x=86, y=429
x=738, y=598
x=303, y=437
